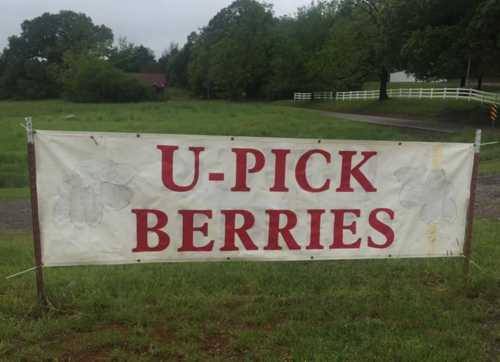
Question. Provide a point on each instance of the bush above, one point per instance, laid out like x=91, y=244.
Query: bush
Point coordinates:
x=89, y=79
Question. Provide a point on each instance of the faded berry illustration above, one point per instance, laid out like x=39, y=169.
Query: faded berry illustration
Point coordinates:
x=89, y=189
x=429, y=191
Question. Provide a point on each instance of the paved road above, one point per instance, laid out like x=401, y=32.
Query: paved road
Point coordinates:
x=393, y=122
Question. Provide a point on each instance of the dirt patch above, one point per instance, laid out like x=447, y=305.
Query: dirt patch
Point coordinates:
x=488, y=197
x=87, y=346
x=16, y=215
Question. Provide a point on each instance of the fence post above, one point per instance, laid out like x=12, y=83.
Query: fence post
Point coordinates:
x=432, y=92
x=40, y=290
x=472, y=201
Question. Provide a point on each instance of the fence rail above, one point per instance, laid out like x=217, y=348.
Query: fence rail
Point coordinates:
x=429, y=93
x=323, y=96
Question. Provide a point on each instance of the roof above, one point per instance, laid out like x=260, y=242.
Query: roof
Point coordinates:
x=154, y=79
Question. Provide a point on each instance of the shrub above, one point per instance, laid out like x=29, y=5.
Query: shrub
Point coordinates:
x=90, y=79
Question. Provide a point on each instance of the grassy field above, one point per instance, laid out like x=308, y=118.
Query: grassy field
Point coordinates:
x=432, y=110
x=359, y=310
x=394, y=310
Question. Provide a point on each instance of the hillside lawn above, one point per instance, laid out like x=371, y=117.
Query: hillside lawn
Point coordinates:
x=408, y=310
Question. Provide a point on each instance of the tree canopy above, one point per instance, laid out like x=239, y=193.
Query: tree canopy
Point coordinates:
x=132, y=58
x=246, y=51
x=32, y=60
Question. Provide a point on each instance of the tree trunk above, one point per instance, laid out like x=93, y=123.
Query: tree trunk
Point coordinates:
x=462, y=82
x=384, y=79
x=467, y=76
x=480, y=82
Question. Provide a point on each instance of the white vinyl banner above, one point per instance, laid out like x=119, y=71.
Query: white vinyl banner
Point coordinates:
x=111, y=198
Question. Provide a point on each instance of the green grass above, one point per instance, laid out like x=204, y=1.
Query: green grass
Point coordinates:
x=433, y=110
x=19, y=193
x=407, y=310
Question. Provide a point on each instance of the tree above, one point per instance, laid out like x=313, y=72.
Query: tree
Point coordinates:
x=345, y=60
x=435, y=51
x=175, y=62
x=385, y=25
x=92, y=79
x=296, y=42
x=484, y=38
x=231, y=55
x=133, y=58
x=32, y=58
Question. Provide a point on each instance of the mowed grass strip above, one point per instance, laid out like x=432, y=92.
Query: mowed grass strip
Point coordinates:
x=339, y=310
x=198, y=117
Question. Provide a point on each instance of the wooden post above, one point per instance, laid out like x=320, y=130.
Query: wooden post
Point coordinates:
x=472, y=201
x=34, y=212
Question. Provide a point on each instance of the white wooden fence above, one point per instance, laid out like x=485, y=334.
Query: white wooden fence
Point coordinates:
x=316, y=96
x=323, y=96
x=430, y=93
x=297, y=97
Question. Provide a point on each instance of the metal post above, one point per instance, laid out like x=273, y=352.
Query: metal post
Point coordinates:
x=472, y=201
x=34, y=211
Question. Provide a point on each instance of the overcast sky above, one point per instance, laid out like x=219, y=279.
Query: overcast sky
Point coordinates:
x=153, y=23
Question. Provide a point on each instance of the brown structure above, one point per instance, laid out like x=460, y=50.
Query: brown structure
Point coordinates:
x=156, y=80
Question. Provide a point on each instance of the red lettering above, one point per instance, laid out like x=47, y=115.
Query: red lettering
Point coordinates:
x=188, y=230
x=168, y=168
x=301, y=171
x=242, y=167
x=338, y=229
x=143, y=231
x=280, y=171
x=231, y=231
x=348, y=171
x=382, y=228
x=275, y=230
x=315, y=233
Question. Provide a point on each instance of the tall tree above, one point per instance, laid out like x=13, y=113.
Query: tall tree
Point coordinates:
x=231, y=55
x=33, y=57
x=484, y=39
x=133, y=58
x=175, y=62
x=459, y=38
x=385, y=23
x=296, y=42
